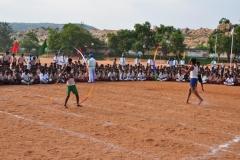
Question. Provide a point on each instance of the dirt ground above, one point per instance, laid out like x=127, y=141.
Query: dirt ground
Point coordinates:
x=120, y=120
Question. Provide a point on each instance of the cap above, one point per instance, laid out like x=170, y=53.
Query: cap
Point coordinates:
x=90, y=55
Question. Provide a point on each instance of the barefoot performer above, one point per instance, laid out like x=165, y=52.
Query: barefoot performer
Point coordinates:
x=193, y=70
x=71, y=87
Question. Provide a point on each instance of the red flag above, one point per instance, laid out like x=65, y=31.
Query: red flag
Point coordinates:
x=15, y=47
x=106, y=53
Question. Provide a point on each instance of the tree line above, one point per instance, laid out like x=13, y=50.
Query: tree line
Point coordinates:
x=142, y=38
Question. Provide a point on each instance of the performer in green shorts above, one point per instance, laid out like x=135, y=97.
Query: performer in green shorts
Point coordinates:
x=71, y=87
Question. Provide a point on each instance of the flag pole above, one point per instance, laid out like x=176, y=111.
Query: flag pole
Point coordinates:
x=216, y=44
x=231, y=48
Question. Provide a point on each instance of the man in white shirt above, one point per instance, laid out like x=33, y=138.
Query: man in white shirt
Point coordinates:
x=111, y=75
x=175, y=62
x=169, y=62
x=91, y=68
x=161, y=77
x=150, y=62
x=141, y=76
x=182, y=62
x=29, y=59
x=44, y=78
x=122, y=61
x=130, y=76
x=137, y=62
x=213, y=63
x=55, y=59
x=62, y=60
x=229, y=81
x=26, y=78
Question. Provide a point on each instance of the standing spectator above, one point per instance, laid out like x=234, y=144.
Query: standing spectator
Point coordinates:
x=6, y=59
x=213, y=63
x=29, y=59
x=37, y=61
x=150, y=62
x=91, y=68
x=182, y=62
x=21, y=61
x=62, y=60
x=137, y=62
x=122, y=61
x=14, y=61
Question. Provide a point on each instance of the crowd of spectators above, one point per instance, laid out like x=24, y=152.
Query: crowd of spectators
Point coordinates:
x=30, y=70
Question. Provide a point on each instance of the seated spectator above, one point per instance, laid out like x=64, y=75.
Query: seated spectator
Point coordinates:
x=130, y=76
x=229, y=81
x=141, y=76
x=162, y=77
x=26, y=78
x=44, y=78
x=180, y=77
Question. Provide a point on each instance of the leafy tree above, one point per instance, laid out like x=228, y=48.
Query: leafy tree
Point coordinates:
x=30, y=41
x=126, y=39
x=162, y=34
x=113, y=41
x=236, y=43
x=54, y=39
x=5, y=36
x=144, y=37
x=176, y=43
x=72, y=35
x=224, y=21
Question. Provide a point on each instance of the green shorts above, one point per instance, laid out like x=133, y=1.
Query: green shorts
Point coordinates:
x=72, y=89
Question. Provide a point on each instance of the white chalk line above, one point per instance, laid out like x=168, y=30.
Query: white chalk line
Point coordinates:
x=108, y=109
x=222, y=147
x=168, y=98
x=134, y=128
x=80, y=135
x=106, y=123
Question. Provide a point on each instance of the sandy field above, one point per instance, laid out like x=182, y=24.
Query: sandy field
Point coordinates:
x=120, y=120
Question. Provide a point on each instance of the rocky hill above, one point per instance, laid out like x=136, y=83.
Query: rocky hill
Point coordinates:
x=193, y=37
x=29, y=26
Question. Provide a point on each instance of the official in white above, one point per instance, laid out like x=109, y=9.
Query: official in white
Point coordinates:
x=29, y=61
x=137, y=62
x=62, y=60
x=91, y=68
x=182, y=62
x=122, y=61
x=150, y=62
x=55, y=59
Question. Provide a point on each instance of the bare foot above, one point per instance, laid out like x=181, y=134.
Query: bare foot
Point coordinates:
x=65, y=106
x=79, y=105
x=200, y=102
x=203, y=89
x=187, y=102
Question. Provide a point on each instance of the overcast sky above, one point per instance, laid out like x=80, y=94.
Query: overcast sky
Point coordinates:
x=122, y=14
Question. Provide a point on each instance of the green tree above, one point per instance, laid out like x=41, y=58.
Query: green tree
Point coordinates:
x=236, y=43
x=5, y=36
x=72, y=35
x=224, y=21
x=54, y=42
x=145, y=37
x=162, y=34
x=176, y=43
x=29, y=42
x=113, y=41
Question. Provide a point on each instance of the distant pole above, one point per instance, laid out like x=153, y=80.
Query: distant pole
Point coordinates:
x=231, y=48
x=216, y=44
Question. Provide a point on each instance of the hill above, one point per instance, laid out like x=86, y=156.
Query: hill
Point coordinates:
x=29, y=26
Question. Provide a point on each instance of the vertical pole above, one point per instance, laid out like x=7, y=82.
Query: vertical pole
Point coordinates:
x=231, y=50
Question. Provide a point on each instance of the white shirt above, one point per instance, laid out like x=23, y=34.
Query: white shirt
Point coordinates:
x=122, y=61
x=62, y=59
x=137, y=61
x=55, y=59
x=194, y=72
x=150, y=62
x=92, y=62
x=29, y=60
x=229, y=80
x=43, y=77
x=26, y=77
x=182, y=62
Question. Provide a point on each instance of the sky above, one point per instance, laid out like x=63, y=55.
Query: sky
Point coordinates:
x=122, y=14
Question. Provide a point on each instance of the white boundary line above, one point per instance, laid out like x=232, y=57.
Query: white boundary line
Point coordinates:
x=130, y=127
x=79, y=135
